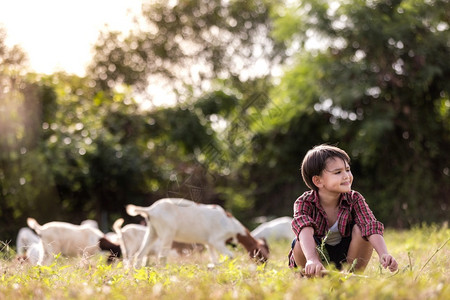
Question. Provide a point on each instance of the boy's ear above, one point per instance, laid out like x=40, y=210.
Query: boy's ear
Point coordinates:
x=317, y=181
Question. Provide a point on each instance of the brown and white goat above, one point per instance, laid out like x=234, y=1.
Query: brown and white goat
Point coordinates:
x=69, y=240
x=181, y=220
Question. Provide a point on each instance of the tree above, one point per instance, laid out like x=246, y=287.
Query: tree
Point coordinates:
x=189, y=44
x=381, y=76
x=23, y=174
x=218, y=57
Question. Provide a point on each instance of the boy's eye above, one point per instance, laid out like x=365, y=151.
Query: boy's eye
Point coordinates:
x=339, y=172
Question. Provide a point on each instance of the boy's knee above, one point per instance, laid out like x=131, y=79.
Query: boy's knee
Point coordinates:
x=357, y=234
x=298, y=255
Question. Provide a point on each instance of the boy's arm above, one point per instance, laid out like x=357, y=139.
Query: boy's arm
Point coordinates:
x=313, y=264
x=386, y=259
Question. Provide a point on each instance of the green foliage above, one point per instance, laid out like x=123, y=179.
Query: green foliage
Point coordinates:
x=222, y=39
x=378, y=76
x=23, y=173
x=217, y=103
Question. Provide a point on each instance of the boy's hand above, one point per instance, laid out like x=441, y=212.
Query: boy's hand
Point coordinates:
x=313, y=268
x=387, y=260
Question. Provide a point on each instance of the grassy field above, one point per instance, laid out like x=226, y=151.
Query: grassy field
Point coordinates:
x=423, y=254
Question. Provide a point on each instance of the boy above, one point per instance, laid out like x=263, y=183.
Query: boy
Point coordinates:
x=333, y=210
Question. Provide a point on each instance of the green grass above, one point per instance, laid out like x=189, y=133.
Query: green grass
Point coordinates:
x=422, y=252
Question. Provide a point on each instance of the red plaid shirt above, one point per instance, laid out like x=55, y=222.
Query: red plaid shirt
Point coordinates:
x=353, y=209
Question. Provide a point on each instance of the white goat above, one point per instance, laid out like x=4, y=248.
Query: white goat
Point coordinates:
x=25, y=239
x=33, y=253
x=181, y=220
x=68, y=239
x=111, y=236
x=130, y=239
x=90, y=222
x=28, y=245
x=276, y=229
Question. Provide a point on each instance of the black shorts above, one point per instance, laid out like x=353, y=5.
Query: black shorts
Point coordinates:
x=334, y=254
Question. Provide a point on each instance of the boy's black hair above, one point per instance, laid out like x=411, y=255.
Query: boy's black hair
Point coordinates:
x=315, y=159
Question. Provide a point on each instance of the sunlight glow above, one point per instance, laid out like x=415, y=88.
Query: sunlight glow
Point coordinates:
x=58, y=35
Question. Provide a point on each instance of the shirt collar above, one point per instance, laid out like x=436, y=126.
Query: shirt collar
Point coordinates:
x=314, y=198
x=344, y=200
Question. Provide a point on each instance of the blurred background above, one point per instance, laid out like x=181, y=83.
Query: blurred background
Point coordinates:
x=218, y=102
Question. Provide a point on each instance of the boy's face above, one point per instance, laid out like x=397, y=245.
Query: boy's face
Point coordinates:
x=336, y=178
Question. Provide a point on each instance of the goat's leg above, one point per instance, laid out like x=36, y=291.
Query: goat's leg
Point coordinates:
x=212, y=254
x=45, y=255
x=147, y=243
x=127, y=262
x=222, y=248
x=166, y=246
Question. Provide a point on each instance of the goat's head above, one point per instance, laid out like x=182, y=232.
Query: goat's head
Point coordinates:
x=115, y=251
x=261, y=253
x=257, y=249
x=22, y=258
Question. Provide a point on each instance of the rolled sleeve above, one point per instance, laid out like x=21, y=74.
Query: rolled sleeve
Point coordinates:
x=365, y=219
x=374, y=227
x=302, y=221
x=302, y=215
